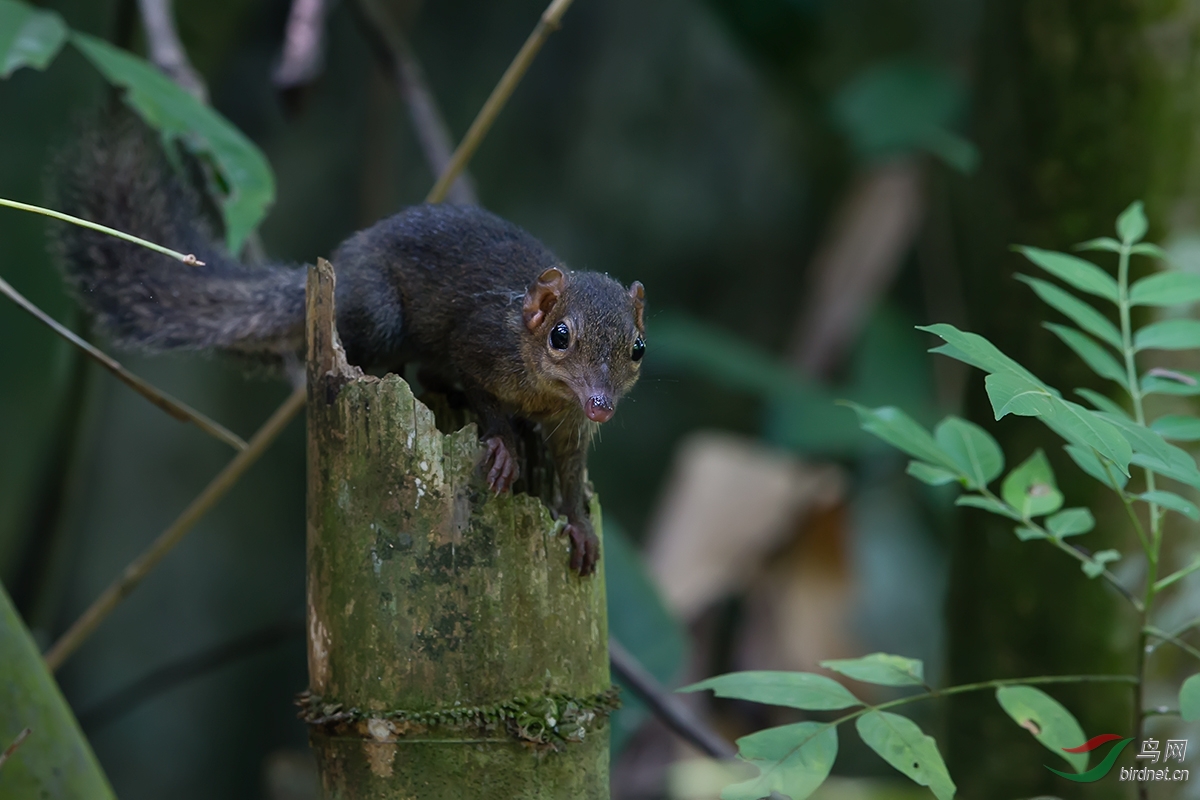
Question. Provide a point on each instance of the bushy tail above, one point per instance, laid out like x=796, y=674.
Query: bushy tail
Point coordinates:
x=116, y=175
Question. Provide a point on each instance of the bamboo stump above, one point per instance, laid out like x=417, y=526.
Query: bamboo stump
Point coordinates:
x=451, y=652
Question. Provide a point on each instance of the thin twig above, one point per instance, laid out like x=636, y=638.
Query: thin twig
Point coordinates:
x=166, y=51
x=433, y=134
x=667, y=707
x=179, y=671
x=140, y=567
x=550, y=21
x=1157, y=633
x=188, y=258
x=303, y=44
x=12, y=748
x=176, y=408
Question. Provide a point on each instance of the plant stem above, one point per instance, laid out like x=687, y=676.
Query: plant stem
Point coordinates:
x=1150, y=630
x=140, y=567
x=1152, y=546
x=188, y=259
x=551, y=19
x=176, y=408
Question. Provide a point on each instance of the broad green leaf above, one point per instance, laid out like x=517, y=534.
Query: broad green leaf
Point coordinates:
x=1166, y=289
x=1151, y=250
x=1070, y=522
x=1172, y=501
x=1047, y=719
x=881, y=668
x=899, y=430
x=1132, y=224
x=29, y=37
x=244, y=171
x=1088, y=428
x=794, y=689
x=1095, y=567
x=793, y=760
x=1031, y=489
x=1100, y=360
x=1170, y=334
x=1154, y=453
x=1027, y=534
x=1089, y=462
x=934, y=476
x=1189, y=699
x=1083, y=275
x=1011, y=393
x=987, y=504
x=56, y=760
x=1170, y=381
x=639, y=619
x=1078, y=311
x=1102, y=243
x=971, y=447
x=973, y=349
x=1102, y=403
x=1177, y=427
x=905, y=746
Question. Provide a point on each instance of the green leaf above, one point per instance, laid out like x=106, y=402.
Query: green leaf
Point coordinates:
x=1177, y=427
x=1170, y=334
x=973, y=349
x=1151, y=250
x=1010, y=393
x=1100, y=360
x=881, y=668
x=1088, y=428
x=1070, y=522
x=971, y=447
x=1172, y=501
x=1103, y=243
x=640, y=620
x=1031, y=489
x=899, y=430
x=1166, y=289
x=1027, y=534
x=1047, y=719
x=1095, y=567
x=1189, y=699
x=987, y=504
x=56, y=760
x=905, y=746
x=934, y=476
x=1169, y=381
x=28, y=37
x=1083, y=275
x=1132, y=224
x=243, y=169
x=1102, y=403
x=1078, y=311
x=794, y=689
x=793, y=760
x=1089, y=462
x=1154, y=453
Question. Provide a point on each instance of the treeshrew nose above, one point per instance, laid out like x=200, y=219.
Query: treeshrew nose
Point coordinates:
x=600, y=408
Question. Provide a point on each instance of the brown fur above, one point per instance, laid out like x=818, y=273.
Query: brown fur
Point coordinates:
x=471, y=297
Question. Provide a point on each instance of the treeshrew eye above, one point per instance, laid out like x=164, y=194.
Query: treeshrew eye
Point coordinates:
x=639, y=349
x=560, y=336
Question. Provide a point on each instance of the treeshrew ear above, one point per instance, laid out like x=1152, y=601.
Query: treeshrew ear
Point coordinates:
x=638, y=293
x=542, y=295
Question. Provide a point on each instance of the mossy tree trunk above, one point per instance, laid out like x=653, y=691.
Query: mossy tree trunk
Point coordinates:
x=1082, y=107
x=452, y=654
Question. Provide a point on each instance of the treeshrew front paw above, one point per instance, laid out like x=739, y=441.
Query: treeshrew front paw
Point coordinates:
x=501, y=465
x=585, y=548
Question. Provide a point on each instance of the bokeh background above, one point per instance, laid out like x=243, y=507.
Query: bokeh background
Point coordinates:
x=797, y=183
